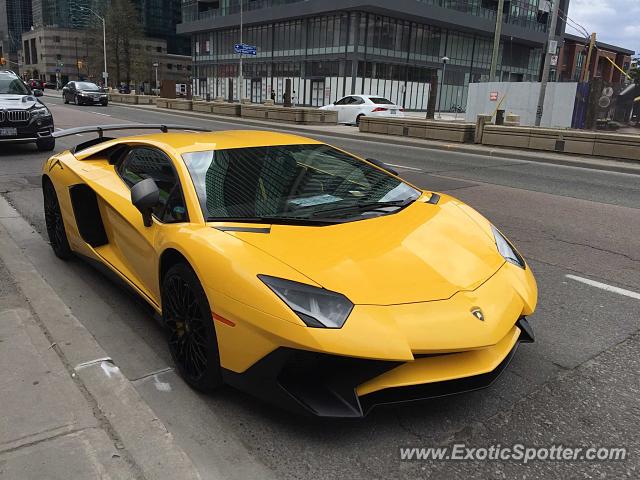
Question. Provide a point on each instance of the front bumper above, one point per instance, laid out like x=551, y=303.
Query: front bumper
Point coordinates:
x=27, y=132
x=93, y=100
x=326, y=385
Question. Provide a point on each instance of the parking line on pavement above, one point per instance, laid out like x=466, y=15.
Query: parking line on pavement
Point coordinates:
x=604, y=286
x=406, y=168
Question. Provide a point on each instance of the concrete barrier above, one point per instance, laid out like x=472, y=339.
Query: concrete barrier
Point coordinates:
x=147, y=99
x=132, y=99
x=224, y=108
x=577, y=142
x=174, y=103
x=548, y=139
x=617, y=145
x=123, y=98
x=201, y=106
x=418, y=128
x=481, y=121
x=297, y=115
x=501, y=136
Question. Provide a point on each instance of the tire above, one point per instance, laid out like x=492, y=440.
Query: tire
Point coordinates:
x=46, y=144
x=191, y=334
x=104, y=104
x=55, y=224
x=358, y=119
x=64, y=97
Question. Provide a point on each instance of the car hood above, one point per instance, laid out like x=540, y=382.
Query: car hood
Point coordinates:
x=423, y=253
x=17, y=102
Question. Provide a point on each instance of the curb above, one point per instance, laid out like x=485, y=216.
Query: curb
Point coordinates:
x=594, y=163
x=127, y=419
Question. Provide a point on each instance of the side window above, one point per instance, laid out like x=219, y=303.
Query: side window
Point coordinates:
x=344, y=101
x=357, y=101
x=143, y=163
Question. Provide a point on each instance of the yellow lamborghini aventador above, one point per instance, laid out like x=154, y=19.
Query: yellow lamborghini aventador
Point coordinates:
x=315, y=279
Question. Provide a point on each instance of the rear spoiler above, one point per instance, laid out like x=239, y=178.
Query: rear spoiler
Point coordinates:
x=100, y=129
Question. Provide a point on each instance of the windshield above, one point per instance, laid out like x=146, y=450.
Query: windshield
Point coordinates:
x=381, y=101
x=87, y=86
x=12, y=86
x=293, y=182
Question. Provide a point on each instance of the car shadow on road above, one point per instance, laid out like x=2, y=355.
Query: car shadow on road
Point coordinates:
x=8, y=149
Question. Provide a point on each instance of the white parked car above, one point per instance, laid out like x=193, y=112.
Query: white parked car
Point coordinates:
x=352, y=107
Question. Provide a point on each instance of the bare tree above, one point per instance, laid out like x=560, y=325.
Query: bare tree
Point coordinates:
x=124, y=30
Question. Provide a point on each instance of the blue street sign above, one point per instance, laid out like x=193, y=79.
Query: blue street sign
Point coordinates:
x=245, y=49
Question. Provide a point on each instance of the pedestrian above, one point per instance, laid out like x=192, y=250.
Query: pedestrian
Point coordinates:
x=293, y=99
x=273, y=95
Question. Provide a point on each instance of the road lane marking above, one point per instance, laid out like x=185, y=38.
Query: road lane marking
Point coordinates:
x=604, y=286
x=98, y=113
x=402, y=166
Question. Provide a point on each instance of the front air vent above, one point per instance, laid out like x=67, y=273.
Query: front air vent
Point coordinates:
x=1, y=116
x=18, y=116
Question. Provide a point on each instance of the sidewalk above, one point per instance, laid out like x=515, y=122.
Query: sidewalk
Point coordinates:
x=66, y=410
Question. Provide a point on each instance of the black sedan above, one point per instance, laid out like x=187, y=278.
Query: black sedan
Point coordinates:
x=84, y=93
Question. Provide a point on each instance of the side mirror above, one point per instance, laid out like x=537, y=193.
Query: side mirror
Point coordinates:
x=382, y=165
x=145, y=195
x=37, y=92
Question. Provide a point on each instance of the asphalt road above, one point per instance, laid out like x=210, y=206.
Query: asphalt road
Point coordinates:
x=577, y=385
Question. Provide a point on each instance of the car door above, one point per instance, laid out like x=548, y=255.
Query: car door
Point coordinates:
x=132, y=248
x=357, y=107
x=342, y=106
x=70, y=91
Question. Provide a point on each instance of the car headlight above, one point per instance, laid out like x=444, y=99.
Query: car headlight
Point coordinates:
x=40, y=112
x=315, y=306
x=506, y=249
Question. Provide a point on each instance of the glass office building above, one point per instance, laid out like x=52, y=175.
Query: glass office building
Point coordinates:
x=66, y=13
x=15, y=18
x=332, y=48
x=159, y=19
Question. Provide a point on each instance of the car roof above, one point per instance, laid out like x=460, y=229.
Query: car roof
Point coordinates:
x=184, y=142
x=368, y=96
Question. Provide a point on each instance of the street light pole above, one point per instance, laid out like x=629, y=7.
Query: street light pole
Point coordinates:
x=240, y=79
x=155, y=65
x=496, y=41
x=444, y=71
x=105, y=74
x=547, y=61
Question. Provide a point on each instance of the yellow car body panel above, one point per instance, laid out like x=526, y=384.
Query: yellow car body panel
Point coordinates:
x=414, y=276
x=443, y=367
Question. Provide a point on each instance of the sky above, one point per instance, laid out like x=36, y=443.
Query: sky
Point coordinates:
x=615, y=21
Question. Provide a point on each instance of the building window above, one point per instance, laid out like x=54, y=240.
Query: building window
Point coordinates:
x=169, y=66
x=159, y=49
x=56, y=39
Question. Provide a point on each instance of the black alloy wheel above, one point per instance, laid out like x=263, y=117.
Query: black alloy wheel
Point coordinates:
x=190, y=330
x=55, y=224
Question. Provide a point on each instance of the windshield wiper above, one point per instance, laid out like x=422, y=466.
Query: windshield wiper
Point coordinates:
x=362, y=207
